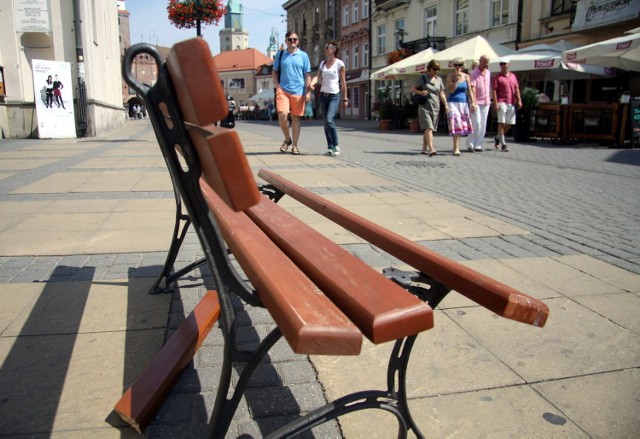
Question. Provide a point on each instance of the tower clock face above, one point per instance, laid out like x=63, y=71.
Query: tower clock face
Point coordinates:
x=236, y=21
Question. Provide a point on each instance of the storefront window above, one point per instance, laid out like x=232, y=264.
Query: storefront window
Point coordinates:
x=560, y=6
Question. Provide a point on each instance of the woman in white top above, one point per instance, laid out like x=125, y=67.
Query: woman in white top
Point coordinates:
x=332, y=77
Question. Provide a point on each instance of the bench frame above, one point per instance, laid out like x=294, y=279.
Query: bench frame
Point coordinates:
x=164, y=113
x=191, y=210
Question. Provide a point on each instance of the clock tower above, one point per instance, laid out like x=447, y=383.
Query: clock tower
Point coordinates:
x=233, y=36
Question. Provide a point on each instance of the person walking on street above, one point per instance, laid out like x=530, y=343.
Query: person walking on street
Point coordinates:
x=481, y=90
x=331, y=75
x=291, y=75
x=432, y=88
x=460, y=97
x=506, y=97
x=270, y=110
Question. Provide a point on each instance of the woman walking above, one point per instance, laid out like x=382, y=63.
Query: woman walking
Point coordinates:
x=432, y=88
x=460, y=97
x=332, y=77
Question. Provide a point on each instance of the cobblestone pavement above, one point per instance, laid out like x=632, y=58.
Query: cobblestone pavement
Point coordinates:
x=581, y=198
x=573, y=199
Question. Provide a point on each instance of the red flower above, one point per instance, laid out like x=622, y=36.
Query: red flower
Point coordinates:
x=397, y=55
x=185, y=14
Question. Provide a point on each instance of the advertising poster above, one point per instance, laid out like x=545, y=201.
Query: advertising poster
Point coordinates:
x=54, y=99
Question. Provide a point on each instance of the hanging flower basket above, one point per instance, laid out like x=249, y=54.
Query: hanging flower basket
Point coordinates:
x=397, y=55
x=185, y=14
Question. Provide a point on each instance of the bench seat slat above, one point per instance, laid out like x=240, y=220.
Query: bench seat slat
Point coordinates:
x=309, y=321
x=142, y=400
x=380, y=308
x=493, y=295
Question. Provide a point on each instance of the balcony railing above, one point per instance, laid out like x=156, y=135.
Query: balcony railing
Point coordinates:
x=416, y=46
x=385, y=5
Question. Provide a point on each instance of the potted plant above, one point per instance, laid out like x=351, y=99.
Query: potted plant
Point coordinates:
x=386, y=114
x=386, y=108
x=411, y=111
x=524, y=115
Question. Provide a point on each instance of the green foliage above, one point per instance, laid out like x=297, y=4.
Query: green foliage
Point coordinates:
x=383, y=96
x=529, y=98
x=386, y=110
x=411, y=109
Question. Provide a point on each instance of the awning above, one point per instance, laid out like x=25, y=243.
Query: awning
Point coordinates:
x=364, y=77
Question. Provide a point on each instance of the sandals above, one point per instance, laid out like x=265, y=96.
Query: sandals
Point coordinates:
x=285, y=145
x=295, y=150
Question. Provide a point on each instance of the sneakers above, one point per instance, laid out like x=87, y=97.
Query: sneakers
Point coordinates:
x=470, y=148
x=505, y=148
x=478, y=149
x=329, y=153
x=496, y=142
x=336, y=150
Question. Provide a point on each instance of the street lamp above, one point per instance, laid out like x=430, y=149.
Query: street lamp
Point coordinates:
x=401, y=32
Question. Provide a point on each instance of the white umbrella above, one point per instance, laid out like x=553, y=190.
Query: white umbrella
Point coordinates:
x=410, y=66
x=558, y=46
x=263, y=95
x=471, y=51
x=548, y=65
x=622, y=52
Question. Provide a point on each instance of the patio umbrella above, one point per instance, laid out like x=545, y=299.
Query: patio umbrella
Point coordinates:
x=558, y=46
x=263, y=95
x=621, y=52
x=470, y=51
x=547, y=65
x=411, y=66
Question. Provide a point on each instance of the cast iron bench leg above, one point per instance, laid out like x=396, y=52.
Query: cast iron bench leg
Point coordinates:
x=163, y=283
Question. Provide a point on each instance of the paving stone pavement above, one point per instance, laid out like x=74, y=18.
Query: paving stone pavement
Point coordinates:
x=573, y=200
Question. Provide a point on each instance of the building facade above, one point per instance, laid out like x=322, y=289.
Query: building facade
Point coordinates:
x=353, y=16
x=418, y=24
x=84, y=33
x=239, y=69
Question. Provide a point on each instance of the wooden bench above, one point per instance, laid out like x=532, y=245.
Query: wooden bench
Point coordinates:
x=322, y=299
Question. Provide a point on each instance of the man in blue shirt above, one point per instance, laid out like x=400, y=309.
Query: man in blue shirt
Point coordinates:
x=291, y=75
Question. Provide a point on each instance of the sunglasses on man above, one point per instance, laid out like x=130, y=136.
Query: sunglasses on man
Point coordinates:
x=291, y=40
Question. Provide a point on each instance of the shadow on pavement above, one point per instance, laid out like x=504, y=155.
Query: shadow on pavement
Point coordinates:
x=33, y=374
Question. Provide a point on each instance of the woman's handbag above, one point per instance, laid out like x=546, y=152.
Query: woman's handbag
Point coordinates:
x=419, y=98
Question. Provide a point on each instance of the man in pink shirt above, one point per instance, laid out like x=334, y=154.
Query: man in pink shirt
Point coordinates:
x=506, y=96
x=481, y=89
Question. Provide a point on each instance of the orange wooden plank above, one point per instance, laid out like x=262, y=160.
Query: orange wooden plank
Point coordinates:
x=496, y=296
x=145, y=396
x=380, y=308
x=308, y=320
x=202, y=102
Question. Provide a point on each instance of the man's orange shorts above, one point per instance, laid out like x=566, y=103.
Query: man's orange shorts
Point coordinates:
x=288, y=103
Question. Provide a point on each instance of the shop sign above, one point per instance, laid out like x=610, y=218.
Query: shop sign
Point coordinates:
x=596, y=13
x=544, y=63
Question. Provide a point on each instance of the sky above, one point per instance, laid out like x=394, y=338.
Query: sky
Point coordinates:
x=148, y=23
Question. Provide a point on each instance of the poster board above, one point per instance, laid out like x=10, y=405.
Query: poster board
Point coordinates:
x=53, y=92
